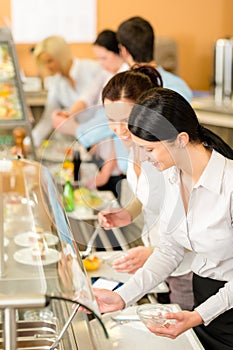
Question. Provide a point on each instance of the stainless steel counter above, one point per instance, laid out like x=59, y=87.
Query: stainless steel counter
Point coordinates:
x=219, y=119
x=40, y=262
x=135, y=335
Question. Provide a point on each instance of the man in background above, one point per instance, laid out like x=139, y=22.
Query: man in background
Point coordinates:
x=136, y=41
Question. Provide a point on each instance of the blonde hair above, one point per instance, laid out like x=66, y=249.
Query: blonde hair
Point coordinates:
x=57, y=47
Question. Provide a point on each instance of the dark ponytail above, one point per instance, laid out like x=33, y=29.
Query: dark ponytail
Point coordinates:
x=152, y=73
x=132, y=83
x=107, y=39
x=161, y=114
x=213, y=141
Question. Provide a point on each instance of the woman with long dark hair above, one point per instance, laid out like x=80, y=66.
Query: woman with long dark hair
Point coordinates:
x=144, y=180
x=197, y=215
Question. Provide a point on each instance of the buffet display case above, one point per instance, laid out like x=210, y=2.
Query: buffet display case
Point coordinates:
x=41, y=272
x=13, y=109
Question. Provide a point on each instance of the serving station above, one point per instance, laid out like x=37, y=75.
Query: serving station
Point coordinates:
x=41, y=271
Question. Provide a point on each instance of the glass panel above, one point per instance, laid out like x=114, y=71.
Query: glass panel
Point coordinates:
x=40, y=253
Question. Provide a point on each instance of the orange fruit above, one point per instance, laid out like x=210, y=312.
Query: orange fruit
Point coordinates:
x=67, y=164
x=92, y=263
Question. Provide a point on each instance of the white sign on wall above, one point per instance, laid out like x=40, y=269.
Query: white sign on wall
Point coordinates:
x=33, y=20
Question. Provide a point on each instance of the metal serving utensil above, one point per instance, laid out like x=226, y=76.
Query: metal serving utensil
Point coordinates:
x=66, y=325
x=123, y=319
x=88, y=250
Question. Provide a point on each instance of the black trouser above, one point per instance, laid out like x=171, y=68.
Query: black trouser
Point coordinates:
x=218, y=335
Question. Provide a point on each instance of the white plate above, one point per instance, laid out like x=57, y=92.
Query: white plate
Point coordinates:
x=23, y=239
x=5, y=257
x=24, y=256
x=6, y=242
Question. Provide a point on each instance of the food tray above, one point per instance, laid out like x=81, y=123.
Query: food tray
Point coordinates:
x=33, y=335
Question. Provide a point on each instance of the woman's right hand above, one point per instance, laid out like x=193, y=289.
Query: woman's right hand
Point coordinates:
x=64, y=123
x=114, y=217
x=58, y=117
x=107, y=300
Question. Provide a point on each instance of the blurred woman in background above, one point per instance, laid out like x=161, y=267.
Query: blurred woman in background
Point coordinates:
x=107, y=54
x=69, y=77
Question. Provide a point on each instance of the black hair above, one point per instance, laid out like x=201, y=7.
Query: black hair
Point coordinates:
x=161, y=114
x=137, y=36
x=108, y=39
x=132, y=83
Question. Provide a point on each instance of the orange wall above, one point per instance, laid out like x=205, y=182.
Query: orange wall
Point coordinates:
x=195, y=25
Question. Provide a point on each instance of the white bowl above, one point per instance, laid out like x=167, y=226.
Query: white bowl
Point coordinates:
x=153, y=315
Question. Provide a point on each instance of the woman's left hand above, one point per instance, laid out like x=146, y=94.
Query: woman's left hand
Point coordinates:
x=182, y=321
x=133, y=260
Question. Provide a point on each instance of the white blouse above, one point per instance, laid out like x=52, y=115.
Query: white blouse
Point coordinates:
x=61, y=94
x=149, y=188
x=207, y=229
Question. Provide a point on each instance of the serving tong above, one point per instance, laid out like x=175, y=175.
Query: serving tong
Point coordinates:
x=88, y=250
x=123, y=319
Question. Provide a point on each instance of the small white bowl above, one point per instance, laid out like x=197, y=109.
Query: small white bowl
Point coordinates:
x=153, y=315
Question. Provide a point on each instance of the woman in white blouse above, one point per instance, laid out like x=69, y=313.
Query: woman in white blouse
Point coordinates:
x=197, y=215
x=145, y=181
x=69, y=78
x=107, y=53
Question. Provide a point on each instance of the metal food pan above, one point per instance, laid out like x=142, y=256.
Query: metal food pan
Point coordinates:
x=33, y=335
x=33, y=344
x=50, y=326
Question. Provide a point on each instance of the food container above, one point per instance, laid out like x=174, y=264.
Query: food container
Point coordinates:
x=153, y=315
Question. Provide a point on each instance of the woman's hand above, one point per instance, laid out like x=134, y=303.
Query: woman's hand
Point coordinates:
x=107, y=300
x=133, y=260
x=58, y=117
x=64, y=123
x=114, y=217
x=182, y=321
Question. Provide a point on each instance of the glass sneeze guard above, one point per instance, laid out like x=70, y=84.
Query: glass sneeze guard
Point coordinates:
x=38, y=253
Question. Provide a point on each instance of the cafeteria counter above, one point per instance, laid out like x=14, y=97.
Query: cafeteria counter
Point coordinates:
x=127, y=335
x=218, y=119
